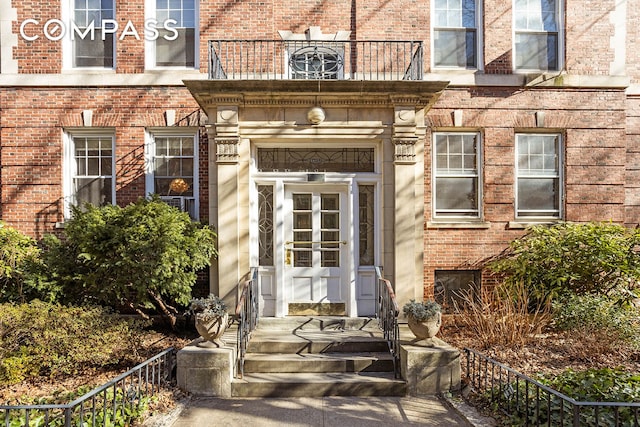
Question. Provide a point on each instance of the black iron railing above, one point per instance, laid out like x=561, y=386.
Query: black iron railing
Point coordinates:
x=387, y=314
x=247, y=313
x=117, y=402
x=534, y=404
x=315, y=59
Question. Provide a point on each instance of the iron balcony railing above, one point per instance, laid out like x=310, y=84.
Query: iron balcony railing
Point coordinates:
x=113, y=403
x=315, y=60
x=387, y=313
x=535, y=404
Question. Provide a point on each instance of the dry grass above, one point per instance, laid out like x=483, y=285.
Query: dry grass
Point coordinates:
x=501, y=320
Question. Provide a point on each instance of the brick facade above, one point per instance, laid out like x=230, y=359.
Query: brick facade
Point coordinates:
x=599, y=120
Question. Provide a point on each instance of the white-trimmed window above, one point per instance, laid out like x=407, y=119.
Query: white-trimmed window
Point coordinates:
x=539, y=176
x=176, y=44
x=90, y=46
x=172, y=171
x=315, y=60
x=456, y=177
x=455, y=38
x=89, y=169
x=538, y=35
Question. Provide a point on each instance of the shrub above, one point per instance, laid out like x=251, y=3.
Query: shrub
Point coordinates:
x=143, y=256
x=584, y=258
x=43, y=339
x=597, y=314
x=17, y=251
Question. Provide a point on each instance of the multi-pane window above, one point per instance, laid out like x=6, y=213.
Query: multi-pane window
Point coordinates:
x=539, y=186
x=456, y=175
x=91, y=171
x=537, y=34
x=455, y=33
x=176, y=47
x=174, y=171
x=91, y=46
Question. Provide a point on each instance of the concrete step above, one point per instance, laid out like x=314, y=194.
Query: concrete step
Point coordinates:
x=318, y=385
x=324, y=362
x=314, y=341
x=321, y=323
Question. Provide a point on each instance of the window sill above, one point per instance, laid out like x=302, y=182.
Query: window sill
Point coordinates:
x=60, y=225
x=521, y=225
x=458, y=224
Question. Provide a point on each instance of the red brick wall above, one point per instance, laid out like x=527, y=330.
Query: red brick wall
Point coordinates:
x=32, y=124
x=588, y=29
x=593, y=125
x=601, y=129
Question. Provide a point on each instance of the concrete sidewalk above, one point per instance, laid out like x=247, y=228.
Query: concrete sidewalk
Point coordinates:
x=321, y=412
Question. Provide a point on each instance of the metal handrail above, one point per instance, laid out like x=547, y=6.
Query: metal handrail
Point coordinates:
x=387, y=314
x=247, y=314
x=98, y=407
x=516, y=393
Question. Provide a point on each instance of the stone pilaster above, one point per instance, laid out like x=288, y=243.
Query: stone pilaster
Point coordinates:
x=227, y=139
x=406, y=141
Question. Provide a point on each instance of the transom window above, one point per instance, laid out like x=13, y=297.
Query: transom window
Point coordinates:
x=92, y=47
x=456, y=177
x=455, y=33
x=539, y=187
x=537, y=34
x=315, y=160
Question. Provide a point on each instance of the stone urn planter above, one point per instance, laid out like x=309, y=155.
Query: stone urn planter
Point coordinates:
x=211, y=318
x=423, y=318
x=211, y=328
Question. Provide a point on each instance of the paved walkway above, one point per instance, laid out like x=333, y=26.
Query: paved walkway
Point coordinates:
x=321, y=412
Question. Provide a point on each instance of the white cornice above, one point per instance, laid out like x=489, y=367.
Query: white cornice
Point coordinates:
x=455, y=79
x=102, y=79
x=560, y=80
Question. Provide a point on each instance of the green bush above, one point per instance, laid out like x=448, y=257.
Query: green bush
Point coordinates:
x=143, y=256
x=597, y=314
x=597, y=258
x=17, y=251
x=43, y=339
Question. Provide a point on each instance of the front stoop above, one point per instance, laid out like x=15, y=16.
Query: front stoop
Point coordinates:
x=321, y=356
x=315, y=357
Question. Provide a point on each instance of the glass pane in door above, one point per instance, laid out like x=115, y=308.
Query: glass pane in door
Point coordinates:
x=302, y=230
x=330, y=230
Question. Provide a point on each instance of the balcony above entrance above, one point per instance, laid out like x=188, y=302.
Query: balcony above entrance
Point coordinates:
x=295, y=59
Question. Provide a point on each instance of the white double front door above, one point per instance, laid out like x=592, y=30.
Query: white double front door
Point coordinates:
x=317, y=250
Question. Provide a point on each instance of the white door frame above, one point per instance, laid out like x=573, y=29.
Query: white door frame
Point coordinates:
x=271, y=278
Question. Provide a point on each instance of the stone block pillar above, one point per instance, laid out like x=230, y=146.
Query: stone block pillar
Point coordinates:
x=430, y=367
x=205, y=371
